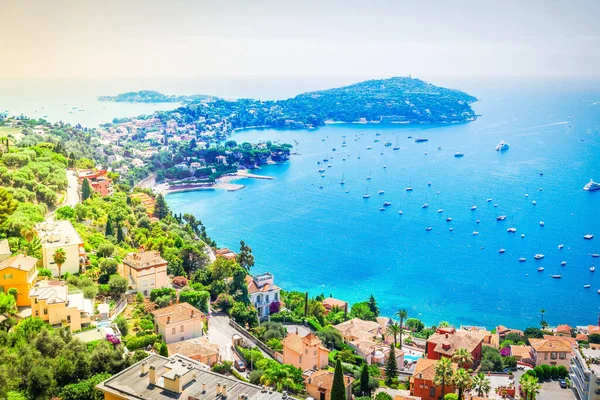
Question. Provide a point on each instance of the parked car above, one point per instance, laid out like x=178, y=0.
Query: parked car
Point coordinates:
x=562, y=383
x=239, y=365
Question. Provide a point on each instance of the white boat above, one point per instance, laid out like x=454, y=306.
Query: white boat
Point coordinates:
x=591, y=186
x=421, y=140
x=502, y=146
x=592, y=269
x=387, y=144
x=451, y=229
x=542, y=223
x=382, y=209
x=540, y=269
x=522, y=259
x=522, y=236
x=440, y=210
x=409, y=189
x=381, y=192
x=400, y=212
x=473, y=208
x=428, y=228
x=459, y=154
x=534, y=202
x=477, y=221
x=488, y=199
x=321, y=169
x=448, y=219
x=595, y=255
x=475, y=233
x=500, y=217
x=539, y=256
x=586, y=286
x=556, y=276
x=588, y=237
x=501, y=251
x=369, y=147
x=321, y=187
x=563, y=263
x=511, y=230
x=366, y=196
x=560, y=246
x=387, y=203
x=425, y=205
x=375, y=140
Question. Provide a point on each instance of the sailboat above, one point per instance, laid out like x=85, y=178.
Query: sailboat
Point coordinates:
x=369, y=176
x=385, y=163
x=343, y=180
x=366, y=195
x=396, y=147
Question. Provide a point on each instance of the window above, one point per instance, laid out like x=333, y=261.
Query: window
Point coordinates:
x=173, y=330
x=45, y=311
x=553, y=356
x=306, y=351
x=68, y=319
x=8, y=276
x=562, y=356
x=181, y=339
x=276, y=296
x=181, y=328
x=37, y=313
x=300, y=359
x=545, y=356
x=431, y=391
x=267, y=299
x=314, y=353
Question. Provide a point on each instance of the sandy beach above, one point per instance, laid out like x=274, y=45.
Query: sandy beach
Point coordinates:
x=224, y=182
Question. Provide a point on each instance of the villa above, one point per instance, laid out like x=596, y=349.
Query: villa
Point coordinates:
x=226, y=254
x=318, y=384
x=263, y=293
x=521, y=353
x=51, y=301
x=305, y=352
x=19, y=272
x=552, y=350
x=145, y=270
x=178, y=322
x=563, y=330
x=446, y=341
x=356, y=329
x=329, y=303
x=98, y=180
x=56, y=235
x=377, y=352
x=421, y=382
x=178, y=377
x=199, y=349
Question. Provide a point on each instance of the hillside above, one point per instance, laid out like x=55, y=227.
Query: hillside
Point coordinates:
x=151, y=96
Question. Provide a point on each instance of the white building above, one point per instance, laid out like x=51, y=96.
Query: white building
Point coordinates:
x=59, y=234
x=586, y=379
x=263, y=292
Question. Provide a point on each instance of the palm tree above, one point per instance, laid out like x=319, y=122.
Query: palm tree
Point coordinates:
x=443, y=373
x=393, y=329
x=463, y=381
x=59, y=256
x=402, y=314
x=462, y=357
x=481, y=384
x=543, y=323
x=28, y=234
x=529, y=386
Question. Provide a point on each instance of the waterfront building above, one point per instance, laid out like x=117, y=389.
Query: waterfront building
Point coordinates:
x=19, y=272
x=585, y=374
x=145, y=270
x=421, y=381
x=263, y=293
x=61, y=234
x=357, y=329
x=330, y=302
x=179, y=377
x=178, y=322
x=446, y=341
x=318, y=384
x=51, y=301
x=551, y=350
x=563, y=330
x=305, y=352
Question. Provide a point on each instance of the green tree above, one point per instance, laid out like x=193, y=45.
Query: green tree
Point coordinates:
x=338, y=388
x=362, y=311
x=118, y=285
x=161, y=210
x=86, y=189
x=481, y=385
x=415, y=325
x=245, y=257
x=443, y=373
x=529, y=386
x=120, y=236
x=59, y=257
x=163, y=350
x=372, y=303
x=14, y=292
x=7, y=205
x=462, y=357
x=543, y=323
x=402, y=314
x=364, y=381
x=463, y=381
x=109, y=228
x=122, y=324
x=85, y=389
x=7, y=303
x=394, y=329
x=105, y=250
x=391, y=367
x=40, y=382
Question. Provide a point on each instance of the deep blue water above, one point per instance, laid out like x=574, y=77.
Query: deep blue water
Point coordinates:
x=332, y=242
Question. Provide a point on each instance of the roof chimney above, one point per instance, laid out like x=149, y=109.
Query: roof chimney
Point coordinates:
x=218, y=389
x=168, y=319
x=203, y=387
x=152, y=375
x=192, y=314
x=446, y=336
x=224, y=390
x=144, y=368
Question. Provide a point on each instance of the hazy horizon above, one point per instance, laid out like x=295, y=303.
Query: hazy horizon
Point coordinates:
x=183, y=40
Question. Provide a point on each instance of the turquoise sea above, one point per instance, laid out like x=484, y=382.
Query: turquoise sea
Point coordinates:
x=332, y=242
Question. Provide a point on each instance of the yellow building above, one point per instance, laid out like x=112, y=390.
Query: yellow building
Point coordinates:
x=51, y=301
x=305, y=352
x=18, y=272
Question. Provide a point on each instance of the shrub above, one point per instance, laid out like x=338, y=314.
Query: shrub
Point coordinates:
x=156, y=293
x=122, y=324
x=224, y=302
x=275, y=344
x=223, y=367
x=383, y=396
x=451, y=396
x=562, y=371
x=163, y=301
x=539, y=372
x=554, y=372
x=314, y=324
x=139, y=342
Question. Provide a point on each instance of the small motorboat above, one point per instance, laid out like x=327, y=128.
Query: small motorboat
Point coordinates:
x=387, y=204
x=321, y=187
x=563, y=263
x=588, y=237
x=425, y=205
x=409, y=189
x=473, y=208
x=369, y=147
x=400, y=212
x=539, y=256
x=448, y=219
x=526, y=194
x=440, y=210
x=475, y=233
x=560, y=246
x=522, y=259
x=477, y=221
x=592, y=269
x=511, y=230
x=500, y=217
x=459, y=155
x=502, y=251
x=428, y=229
x=429, y=183
x=451, y=229
x=587, y=286
x=540, y=269
x=556, y=276
x=542, y=223
x=534, y=202
x=595, y=255
x=381, y=192
x=321, y=169
x=366, y=196
x=522, y=236
x=495, y=205
x=382, y=209
x=488, y=199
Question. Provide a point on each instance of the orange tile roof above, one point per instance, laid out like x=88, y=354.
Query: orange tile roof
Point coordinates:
x=324, y=379
x=425, y=369
x=564, y=329
x=448, y=343
x=177, y=313
x=551, y=344
x=593, y=329
x=520, y=351
x=581, y=337
x=194, y=347
x=294, y=342
x=252, y=288
x=330, y=302
x=19, y=261
x=144, y=259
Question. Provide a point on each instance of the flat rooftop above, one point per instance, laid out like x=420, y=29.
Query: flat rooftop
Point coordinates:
x=57, y=233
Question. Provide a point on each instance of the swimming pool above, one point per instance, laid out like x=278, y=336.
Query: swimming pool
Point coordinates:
x=411, y=357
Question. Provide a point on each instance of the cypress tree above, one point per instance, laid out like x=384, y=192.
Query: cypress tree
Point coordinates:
x=372, y=303
x=163, y=350
x=109, y=229
x=162, y=209
x=391, y=368
x=305, y=304
x=86, y=190
x=120, y=236
x=338, y=389
x=364, y=381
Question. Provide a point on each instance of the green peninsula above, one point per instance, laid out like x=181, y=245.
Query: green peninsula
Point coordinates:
x=151, y=96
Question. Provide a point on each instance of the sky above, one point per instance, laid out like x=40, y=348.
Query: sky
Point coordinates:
x=303, y=38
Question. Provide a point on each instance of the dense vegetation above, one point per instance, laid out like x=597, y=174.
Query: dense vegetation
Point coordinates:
x=386, y=100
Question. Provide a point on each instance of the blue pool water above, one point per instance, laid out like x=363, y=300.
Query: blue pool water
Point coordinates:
x=332, y=242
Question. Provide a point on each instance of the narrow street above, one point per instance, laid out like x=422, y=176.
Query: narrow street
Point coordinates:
x=72, y=192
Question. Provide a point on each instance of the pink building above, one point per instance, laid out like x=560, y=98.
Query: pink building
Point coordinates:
x=305, y=352
x=552, y=350
x=178, y=322
x=145, y=270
